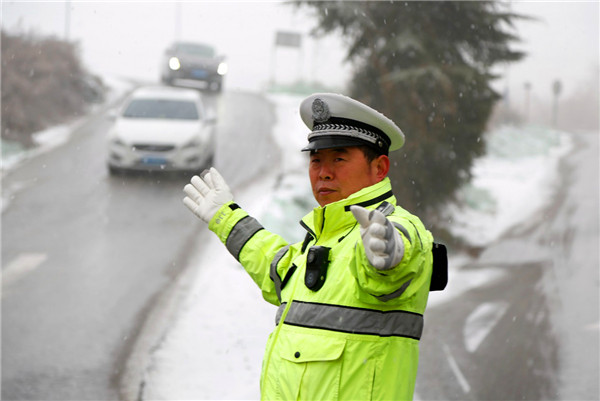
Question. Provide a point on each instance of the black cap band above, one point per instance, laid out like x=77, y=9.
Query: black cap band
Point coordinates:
x=340, y=132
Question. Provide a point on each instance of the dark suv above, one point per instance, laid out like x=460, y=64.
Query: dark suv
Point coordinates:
x=190, y=64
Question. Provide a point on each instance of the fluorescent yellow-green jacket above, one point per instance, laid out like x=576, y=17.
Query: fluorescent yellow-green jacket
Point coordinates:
x=357, y=337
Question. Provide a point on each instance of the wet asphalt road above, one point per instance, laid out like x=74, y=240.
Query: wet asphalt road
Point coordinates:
x=543, y=343
x=85, y=255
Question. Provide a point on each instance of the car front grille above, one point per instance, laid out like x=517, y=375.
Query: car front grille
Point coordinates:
x=153, y=148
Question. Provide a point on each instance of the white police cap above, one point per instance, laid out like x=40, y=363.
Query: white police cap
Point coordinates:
x=339, y=121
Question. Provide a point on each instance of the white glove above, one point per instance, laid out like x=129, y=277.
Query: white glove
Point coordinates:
x=383, y=243
x=206, y=195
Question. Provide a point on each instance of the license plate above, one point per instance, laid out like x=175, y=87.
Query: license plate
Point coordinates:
x=199, y=74
x=155, y=161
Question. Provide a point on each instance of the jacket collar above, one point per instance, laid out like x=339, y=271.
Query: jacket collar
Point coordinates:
x=337, y=216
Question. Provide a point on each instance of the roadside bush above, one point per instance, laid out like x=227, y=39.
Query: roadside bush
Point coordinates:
x=43, y=84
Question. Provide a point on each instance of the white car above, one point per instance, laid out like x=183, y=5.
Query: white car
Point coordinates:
x=161, y=128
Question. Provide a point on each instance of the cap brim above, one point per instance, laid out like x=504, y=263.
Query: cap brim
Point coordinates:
x=332, y=142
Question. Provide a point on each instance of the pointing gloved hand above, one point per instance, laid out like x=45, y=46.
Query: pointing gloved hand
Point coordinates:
x=207, y=194
x=383, y=243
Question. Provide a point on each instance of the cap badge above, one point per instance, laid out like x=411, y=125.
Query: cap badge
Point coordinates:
x=320, y=111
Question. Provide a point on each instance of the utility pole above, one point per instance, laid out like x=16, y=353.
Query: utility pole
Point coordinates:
x=556, y=89
x=177, y=20
x=527, y=86
x=67, y=20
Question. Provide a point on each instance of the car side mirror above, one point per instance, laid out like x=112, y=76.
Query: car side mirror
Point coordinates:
x=210, y=120
x=112, y=114
x=210, y=117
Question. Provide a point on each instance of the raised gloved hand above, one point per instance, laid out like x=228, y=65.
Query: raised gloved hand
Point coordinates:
x=207, y=194
x=383, y=243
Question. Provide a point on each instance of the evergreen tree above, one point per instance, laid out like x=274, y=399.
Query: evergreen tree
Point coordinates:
x=426, y=65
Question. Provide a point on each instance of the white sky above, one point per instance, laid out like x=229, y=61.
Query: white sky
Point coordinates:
x=563, y=44
x=127, y=39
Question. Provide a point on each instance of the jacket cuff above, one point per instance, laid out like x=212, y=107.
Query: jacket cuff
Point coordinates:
x=225, y=219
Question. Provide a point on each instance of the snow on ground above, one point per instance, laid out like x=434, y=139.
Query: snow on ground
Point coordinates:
x=215, y=346
x=511, y=182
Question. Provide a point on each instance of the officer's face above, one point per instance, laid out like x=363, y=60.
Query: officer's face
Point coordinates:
x=337, y=173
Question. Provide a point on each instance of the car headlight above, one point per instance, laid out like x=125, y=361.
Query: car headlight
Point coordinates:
x=222, y=68
x=174, y=63
x=118, y=142
x=194, y=143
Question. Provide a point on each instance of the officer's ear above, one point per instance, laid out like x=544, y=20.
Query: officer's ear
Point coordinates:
x=381, y=164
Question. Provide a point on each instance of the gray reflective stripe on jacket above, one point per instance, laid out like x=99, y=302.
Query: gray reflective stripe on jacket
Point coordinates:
x=387, y=208
x=395, y=294
x=353, y=320
x=403, y=230
x=273, y=273
x=240, y=234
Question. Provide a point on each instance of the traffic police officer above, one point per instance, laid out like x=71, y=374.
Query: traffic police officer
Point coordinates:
x=352, y=295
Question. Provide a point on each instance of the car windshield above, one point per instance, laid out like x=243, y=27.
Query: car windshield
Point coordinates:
x=161, y=108
x=195, y=49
